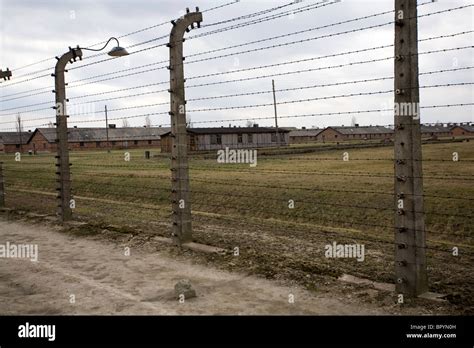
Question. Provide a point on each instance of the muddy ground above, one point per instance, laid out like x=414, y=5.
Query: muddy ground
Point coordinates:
x=88, y=261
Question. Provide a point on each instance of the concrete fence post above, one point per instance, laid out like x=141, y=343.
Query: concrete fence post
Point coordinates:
x=410, y=243
x=6, y=75
x=62, y=157
x=180, y=195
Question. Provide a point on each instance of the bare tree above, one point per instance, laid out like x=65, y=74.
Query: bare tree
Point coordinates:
x=19, y=129
x=125, y=123
x=250, y=123
x=189, y=122
x=147, y=122
x=353, y=121
x=19, y=125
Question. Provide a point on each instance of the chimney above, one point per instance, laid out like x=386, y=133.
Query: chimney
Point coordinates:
x=356, y=125
x=75, y=126
x=303, y=127
x=112, y=125
x=255, y=125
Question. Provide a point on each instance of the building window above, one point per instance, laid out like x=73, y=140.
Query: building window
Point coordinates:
x=81, y=144
x=113, y=143
x=216, y=139
x=239, y=138
x=17, y=146
x=97, y=143
x=149, y=142
x=274, y=137
x=250, y=138
x=282, y=137
x=335, y=136
x=44, y=145
x=135, y=142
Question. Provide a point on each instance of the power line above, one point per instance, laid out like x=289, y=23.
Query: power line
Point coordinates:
x=139, y=44
x=279, y=45
x=199, y=85
x=229, y=72
x=309, y=39
x=356, y=112
x=128, y=34
x=262, y=118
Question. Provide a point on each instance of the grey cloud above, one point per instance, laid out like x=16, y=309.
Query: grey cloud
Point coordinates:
x=52, y=27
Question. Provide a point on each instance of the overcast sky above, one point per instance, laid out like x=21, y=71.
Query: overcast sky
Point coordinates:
x=31, y=31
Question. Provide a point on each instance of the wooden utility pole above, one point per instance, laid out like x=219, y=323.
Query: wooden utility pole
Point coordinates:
x=62, y=163
x=107, y=129
x=410, y=243
x=181, y=203
x=276, y=115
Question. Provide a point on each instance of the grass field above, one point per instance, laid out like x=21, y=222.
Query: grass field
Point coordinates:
x=236, y=205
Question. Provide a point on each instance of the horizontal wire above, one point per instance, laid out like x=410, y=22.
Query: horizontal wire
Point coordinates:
x=240, y=196
x=429, y=14
x=228, y=183
x=200, y=85
x=152, y=47
x=349, y=174
x=259, y=117
x=128, y=34
x=266, y=197
x=235, y=95
x=154, y=26
x=245, y=69
x=230, y=72
x=356, y=112
x=352, y=223
x=280, y=45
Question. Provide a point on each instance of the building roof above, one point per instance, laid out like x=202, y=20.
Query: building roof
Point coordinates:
x=234, y=130
x=14, y=137
x=469, y=128
x=306, y=132
x=100, y=134
x=434, y=129
x=363, y=130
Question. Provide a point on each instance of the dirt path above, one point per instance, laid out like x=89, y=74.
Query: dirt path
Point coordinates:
x=105, y=281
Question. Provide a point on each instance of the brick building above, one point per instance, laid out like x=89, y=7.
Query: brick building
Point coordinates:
x=304, y=136
x=335, y=134
x=43, y=139
x=11, y=142
x=435, y=131
x=466, y=130
x=202, y=139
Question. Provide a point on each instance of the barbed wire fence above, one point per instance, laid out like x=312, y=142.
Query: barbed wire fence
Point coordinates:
x=290, y=206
